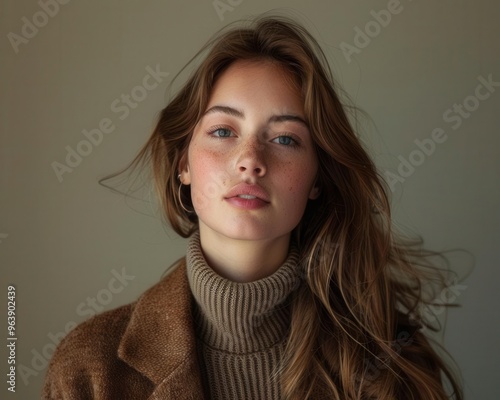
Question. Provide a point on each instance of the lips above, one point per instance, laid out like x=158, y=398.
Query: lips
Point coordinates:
x=246, y=191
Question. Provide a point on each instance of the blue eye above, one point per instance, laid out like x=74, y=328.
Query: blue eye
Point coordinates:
x=221, y=132
x=286, y=140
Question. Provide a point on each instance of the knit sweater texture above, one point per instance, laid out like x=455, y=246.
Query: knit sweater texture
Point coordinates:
x=242, y=328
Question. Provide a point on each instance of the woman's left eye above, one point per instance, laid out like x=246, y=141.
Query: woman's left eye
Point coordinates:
x=221, y=132
x=286, y=140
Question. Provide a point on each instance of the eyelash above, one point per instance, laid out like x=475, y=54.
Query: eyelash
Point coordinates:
x=212, y=130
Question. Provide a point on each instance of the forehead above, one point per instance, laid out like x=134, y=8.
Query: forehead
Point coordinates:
x=257, y=65
x=268, y=83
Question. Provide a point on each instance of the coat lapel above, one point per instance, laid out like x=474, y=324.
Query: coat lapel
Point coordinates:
x=160, y=342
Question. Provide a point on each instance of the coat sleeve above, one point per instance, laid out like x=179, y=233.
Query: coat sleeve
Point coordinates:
x=86, y=366
x=68, y=377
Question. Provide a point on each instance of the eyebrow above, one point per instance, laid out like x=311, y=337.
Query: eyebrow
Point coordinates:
x=273, y=119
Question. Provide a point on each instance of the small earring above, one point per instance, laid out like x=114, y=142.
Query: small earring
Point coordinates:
x=179, y=195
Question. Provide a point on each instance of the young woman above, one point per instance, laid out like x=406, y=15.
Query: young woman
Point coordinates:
x=293, y=285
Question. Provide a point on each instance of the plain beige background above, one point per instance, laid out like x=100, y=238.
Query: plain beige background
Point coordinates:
x=63, y=242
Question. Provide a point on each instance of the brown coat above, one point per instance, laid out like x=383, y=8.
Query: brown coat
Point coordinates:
x=144, y=350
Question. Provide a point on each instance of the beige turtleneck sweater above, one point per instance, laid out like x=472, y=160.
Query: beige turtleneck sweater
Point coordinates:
x=241, y=327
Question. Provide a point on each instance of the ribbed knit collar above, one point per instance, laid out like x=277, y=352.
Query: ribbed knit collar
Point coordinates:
x=241, y=317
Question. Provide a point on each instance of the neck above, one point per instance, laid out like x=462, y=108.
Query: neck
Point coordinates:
x=243, y=260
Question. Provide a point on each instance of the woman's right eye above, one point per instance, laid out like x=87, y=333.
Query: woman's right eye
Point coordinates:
x=221, y=132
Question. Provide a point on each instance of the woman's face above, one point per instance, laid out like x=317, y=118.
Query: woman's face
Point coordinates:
x=251, y=162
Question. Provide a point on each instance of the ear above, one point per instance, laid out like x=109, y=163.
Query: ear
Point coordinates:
x=314, y=193
x=184, y=170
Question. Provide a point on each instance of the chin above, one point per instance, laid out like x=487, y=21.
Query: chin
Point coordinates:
x=254, y=233
x=247, y=233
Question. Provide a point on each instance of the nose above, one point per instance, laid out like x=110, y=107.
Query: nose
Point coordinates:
x=251, y=160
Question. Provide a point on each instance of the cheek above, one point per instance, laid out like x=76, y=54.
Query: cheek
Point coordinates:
x=201, y=163
x=208, y=178
x=295, y=183
x=298, y=179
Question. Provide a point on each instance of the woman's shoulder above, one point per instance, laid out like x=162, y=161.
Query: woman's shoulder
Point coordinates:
x=95, y=336
x=91, y=352
x=85, y=351
x=103, y=332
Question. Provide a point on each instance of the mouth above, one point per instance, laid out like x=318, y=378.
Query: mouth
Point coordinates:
x=245, y=196
x=245, y=203
x=244, y=191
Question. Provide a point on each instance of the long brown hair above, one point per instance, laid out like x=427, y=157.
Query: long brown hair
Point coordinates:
x=355, y=319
